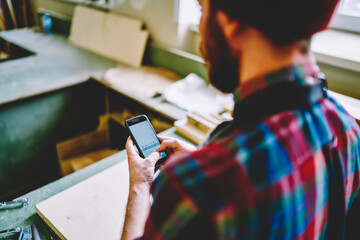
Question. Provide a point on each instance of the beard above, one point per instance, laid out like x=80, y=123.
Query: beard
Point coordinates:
x=223, y=66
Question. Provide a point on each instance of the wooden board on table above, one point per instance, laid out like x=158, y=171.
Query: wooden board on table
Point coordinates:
x=152, y=80
x=189, y=131
x=85, y=160
x=93, y=209
x=2, y=21
x=350, y=104
x=110, y=35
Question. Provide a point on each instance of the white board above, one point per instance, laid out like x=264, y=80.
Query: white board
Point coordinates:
x=110, y=35
x=93, y=209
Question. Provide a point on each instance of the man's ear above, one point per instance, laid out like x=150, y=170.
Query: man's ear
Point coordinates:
x=231, y=29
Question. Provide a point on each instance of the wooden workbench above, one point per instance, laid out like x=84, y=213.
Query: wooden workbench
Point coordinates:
x=49, y=97
x=27, y=215
x=44, y=98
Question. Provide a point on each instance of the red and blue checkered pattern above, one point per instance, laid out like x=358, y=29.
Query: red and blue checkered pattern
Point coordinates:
x=267, y=181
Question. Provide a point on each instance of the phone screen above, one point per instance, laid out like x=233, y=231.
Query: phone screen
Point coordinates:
x=146, y=138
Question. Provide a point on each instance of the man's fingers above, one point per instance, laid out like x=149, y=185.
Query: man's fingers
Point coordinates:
x=167, y=144
x=162, y=147
x=162, y=138
x=130, y=149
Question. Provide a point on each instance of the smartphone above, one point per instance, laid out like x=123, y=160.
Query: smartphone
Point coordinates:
x=144, y=137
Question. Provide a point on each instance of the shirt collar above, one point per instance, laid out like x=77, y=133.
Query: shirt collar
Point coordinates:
x=300, y=74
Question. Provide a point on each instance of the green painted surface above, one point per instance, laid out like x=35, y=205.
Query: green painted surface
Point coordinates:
x=38, y=109
x=342, y=80
x=173, y=61
x=35, y=111
x=30, y=129
x=47, y=98
x=27, y=215
x=57, y=64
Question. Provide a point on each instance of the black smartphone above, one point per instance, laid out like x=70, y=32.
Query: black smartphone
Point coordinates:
x=144, y=137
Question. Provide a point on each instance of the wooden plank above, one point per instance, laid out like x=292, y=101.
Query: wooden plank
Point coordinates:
x=153, y=80
x=12, y=13
x=81, y=151
x=352, y=105
x=110, y=35
x=2, y=19
x=190, y=132
x=18, y=7
x=81, y=144
x=7, y=15
x=90, y=158
x=95, y=140
x=93, y=209
x=72, y=164
x=201, y=123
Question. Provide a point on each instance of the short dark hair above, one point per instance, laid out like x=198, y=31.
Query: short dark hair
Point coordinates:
x=282, y=21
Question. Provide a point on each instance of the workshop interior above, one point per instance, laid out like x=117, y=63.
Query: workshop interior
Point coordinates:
x=73, y=71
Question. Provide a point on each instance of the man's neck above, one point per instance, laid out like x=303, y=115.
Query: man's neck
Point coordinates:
x=261, y=58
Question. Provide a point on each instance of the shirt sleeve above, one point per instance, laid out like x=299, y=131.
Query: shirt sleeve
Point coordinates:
x=172, y=210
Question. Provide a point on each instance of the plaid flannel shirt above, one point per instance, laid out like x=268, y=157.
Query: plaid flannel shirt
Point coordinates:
x=265, y=182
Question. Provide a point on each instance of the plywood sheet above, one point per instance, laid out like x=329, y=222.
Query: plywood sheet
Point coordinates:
x=190, y=132
x=93, y=209
x=110, y=35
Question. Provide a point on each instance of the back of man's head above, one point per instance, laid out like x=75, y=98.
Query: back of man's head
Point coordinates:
x=282, y=21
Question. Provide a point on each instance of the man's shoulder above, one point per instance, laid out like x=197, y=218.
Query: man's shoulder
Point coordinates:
x=277, y=142
x=236, y=149
x=247, y=150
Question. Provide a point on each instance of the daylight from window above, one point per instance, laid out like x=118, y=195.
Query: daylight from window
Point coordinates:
x=350, y=7
x=189, y=12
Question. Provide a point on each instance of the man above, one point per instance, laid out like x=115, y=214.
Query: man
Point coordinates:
x=287, y=167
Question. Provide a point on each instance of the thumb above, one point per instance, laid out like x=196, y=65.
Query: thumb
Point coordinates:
x=130, y=149
x=162, y=147
x=167, y=144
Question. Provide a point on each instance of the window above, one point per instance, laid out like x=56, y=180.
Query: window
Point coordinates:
x=189, y=12
x=350, y=7
x=347, y=16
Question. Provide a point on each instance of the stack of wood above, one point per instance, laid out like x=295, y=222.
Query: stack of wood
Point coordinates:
x=196, y=127
x=16, y=14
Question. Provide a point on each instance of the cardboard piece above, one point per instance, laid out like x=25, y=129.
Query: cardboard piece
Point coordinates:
x=110, y=35
x=93, y=209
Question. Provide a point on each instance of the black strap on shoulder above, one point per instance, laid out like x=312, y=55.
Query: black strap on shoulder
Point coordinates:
x=336, y=204
x=278, y=98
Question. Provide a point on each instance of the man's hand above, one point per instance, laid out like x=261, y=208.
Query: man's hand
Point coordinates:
x=141, y=170
x=141, y=173
x=173, y=145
